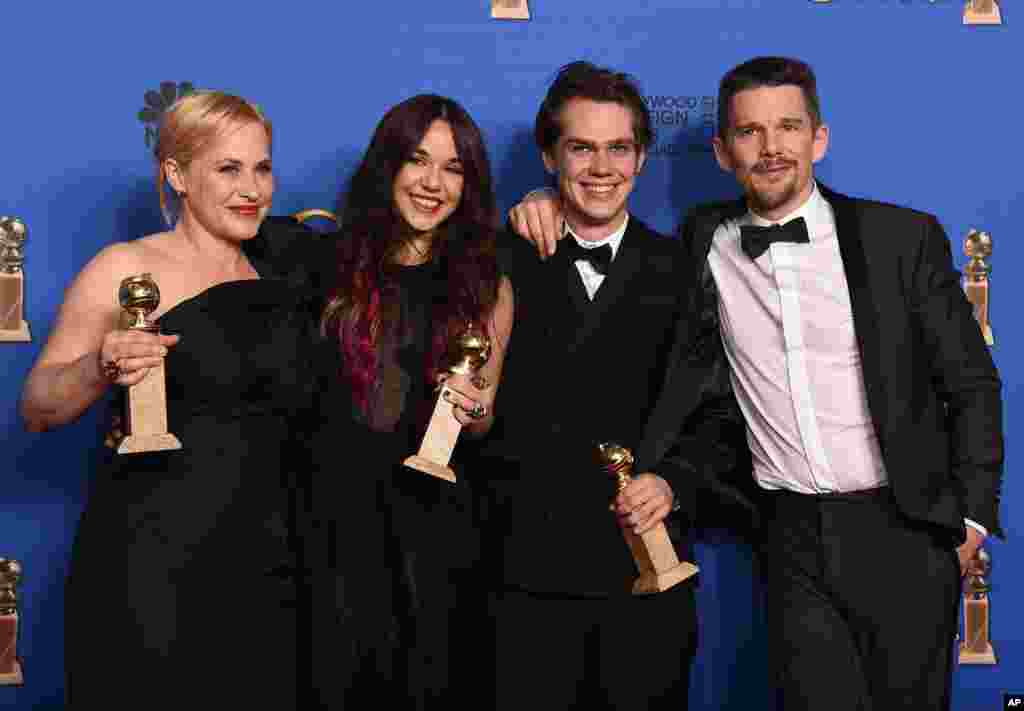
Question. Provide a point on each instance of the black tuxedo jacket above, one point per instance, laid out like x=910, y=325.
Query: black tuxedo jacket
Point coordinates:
x=933, y=391
x=632, y=366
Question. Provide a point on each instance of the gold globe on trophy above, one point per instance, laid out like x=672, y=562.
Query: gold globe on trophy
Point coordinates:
x=653, y=552
x=139, y=296
x=978, y=247
x=467, y=353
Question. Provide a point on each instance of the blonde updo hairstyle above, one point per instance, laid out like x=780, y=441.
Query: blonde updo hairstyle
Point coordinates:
x=188, y=126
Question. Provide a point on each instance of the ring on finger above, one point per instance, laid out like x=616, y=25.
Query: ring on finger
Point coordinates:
x=112, y=370
x=479, y=382
x=477, y=411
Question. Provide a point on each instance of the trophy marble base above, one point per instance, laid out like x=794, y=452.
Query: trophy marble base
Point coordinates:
x=987, y=656
x=438, y=442
x=15, y=335
x=655, y=556
x=510, y=10
x=10, y=667
x=147, y=416
x=982, y=18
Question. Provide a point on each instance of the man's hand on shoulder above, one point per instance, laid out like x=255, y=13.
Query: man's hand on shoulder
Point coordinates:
x=538, y=219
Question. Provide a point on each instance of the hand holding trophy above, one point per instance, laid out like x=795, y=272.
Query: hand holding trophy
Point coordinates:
x=468, y=352
x=655, y=556
x=146, y=400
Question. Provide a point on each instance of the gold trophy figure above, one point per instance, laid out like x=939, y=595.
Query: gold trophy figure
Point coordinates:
x=10, y=667
x=978, y=246
x=147, y=400
x=655, y=556
x=510, y=10
x=982, y=12
x=13, y=326
x=467, y=354
x=976, y=646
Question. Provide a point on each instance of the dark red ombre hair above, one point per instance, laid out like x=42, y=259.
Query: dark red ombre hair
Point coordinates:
x=364, y=301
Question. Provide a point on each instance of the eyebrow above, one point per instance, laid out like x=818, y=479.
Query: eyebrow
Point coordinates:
x=421, y=152
x=613, y=142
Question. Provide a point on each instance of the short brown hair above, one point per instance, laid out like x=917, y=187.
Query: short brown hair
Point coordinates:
x=583, y=80
x=767, y=71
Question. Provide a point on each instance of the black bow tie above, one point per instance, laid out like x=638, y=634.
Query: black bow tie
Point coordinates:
x=599, y=257
x=755, y=240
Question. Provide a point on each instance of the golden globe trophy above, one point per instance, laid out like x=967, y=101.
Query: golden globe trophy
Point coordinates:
x=467, y=354
x=146, y=408
x=982, y=12
x=655, y=556
x=10, y=666
x=510, y=10
x=976, y=645
x=978, y=246
x=13, y=326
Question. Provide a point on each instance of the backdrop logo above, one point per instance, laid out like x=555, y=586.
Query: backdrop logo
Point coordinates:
x=683, y=124
x=156, y=102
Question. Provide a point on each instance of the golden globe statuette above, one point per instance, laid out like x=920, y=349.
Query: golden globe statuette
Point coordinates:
x=976, y=646
x=146, y=400
x=982, y=12
x=978, y=246
x=653, y=551
x=467, y=354
x=510, y=10
x=13, y=326
x=10, y=666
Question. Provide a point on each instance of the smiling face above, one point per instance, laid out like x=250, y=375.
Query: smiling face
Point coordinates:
x=428, y=188
x=596, y=159
x=771, y=145
x=228, y=188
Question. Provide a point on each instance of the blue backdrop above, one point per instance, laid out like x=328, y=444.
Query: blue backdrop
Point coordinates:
x=915, y=101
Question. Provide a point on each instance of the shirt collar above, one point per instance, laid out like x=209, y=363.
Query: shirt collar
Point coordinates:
x=816, y=212
x=613, y=240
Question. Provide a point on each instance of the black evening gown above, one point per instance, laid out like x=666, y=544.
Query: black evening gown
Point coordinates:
x=394, y=588
x=183, y=588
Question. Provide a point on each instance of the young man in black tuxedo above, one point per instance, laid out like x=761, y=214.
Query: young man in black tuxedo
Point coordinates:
x=872, y=405
x=605, y=348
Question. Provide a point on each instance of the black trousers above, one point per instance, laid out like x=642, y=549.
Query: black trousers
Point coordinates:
x=565, y=652
x=861, y=604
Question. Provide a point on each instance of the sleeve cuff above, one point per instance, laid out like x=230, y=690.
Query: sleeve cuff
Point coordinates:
x=977, y=527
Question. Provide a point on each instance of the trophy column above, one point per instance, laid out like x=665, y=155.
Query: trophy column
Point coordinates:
x=655, y=556
x=10, y=666
x=13, y=326
x=146, y=410
x=467, y=355
x=976, y=647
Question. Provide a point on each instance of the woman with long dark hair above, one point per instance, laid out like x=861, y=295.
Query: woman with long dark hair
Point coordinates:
x=416, y=264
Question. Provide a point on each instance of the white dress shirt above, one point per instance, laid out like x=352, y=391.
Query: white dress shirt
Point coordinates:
x=788, y=331
x=592, y=278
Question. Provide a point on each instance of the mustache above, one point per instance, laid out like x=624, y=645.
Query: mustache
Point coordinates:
x=773, y=164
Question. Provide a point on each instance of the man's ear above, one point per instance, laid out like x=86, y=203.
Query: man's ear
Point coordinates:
x=821, y=139
x=641, y=160
x=722, y=154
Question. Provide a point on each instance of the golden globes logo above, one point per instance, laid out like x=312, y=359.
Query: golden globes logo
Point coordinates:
x=510, y=10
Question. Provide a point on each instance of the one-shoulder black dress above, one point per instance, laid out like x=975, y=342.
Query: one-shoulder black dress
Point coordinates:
x=182, y=591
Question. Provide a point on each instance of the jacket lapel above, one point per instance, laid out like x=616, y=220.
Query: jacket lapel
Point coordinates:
x=629, y=259
x=863, y=305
